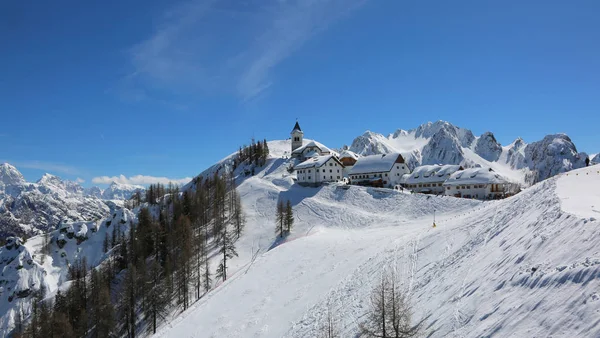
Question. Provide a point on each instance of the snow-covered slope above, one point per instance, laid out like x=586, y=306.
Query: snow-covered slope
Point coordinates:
x=443, y=143
x=595, y=158
x=27, y=207
x=520, y=267
x=26, y=267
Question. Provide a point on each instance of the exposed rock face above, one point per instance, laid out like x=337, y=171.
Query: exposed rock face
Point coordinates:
x=371, y=143
x=487, y=147
x=552, y=155
x=443, y=147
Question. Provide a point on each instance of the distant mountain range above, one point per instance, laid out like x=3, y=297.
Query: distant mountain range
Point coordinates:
x=443, y=143
x=26, y=207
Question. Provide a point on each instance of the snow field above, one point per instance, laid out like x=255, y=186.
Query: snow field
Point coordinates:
x=519, y=267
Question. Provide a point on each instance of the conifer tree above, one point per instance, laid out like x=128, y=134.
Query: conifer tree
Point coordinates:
x=280, y=219
x=289, y=217
x=157, y=297
x=227, y=250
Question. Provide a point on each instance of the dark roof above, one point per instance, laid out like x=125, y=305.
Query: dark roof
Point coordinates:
x=296, y=127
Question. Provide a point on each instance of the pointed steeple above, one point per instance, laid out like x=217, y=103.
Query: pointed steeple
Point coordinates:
x=296, y=127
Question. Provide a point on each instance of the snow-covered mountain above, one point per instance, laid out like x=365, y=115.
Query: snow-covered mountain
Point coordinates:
x=28, y=207
x=526, y=266
x=595, y=158
x=443, y=143
x=120, y=191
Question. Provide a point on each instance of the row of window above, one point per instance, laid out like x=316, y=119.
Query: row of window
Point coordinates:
x=476, y=186
x=324, y=178
x=354, y=177
x=308, y=171
x=330, y=170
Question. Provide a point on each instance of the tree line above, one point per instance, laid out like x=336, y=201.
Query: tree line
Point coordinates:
x=160, y=263
x=255, y=154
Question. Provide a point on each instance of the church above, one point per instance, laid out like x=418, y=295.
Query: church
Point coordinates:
x=319, y=164
x=304, y=151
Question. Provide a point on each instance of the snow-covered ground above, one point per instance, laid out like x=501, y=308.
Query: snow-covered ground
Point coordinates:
x=520, y=267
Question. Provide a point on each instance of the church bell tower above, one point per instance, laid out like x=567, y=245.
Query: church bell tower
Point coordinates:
x=297, y=137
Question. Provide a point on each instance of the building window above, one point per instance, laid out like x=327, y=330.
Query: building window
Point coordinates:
x=398, y=167
x=385, y=175
x=309, y=177
x=330, y=170
x=323, y=177
x=330, y=177
x=448, y=188
x=338, y=177
x=309, y=171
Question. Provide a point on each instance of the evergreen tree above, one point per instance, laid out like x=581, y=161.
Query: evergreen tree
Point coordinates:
x=158, y=298
x=289, y=216
x=280, y=219
x=227, y=250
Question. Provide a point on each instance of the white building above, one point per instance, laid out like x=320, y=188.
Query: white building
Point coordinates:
x=480, y=183
x=378, y=170
x=319, y=169
x=429, y=179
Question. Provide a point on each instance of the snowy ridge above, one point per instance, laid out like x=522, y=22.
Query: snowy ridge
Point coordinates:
x=517, y=267
x=443, y=143
x=26, y=208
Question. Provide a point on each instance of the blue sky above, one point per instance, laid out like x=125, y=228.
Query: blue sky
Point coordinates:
x=165, y=88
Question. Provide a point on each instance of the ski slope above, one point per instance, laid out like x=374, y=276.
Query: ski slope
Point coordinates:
x=522, y=267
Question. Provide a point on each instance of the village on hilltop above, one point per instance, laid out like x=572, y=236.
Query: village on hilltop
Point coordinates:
x=318, y=165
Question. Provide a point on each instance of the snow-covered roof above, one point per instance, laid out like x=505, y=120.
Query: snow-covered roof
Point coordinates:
x=315, y=162
x=313, y=144
x=375, y=163
x=430, y=173
x=348, y=153
x=475, y=176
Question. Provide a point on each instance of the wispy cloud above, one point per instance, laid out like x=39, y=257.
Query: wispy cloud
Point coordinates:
x=47, y=166
x=79, y=180
x=225, y=46
x=139, y=180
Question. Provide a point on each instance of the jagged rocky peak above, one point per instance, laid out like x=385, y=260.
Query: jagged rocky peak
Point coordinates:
x=9, y=175
x=488, y=147
x=427, y=130
x=120, y=191
x=398, y=133
x=552, y=155
x=93, y=192
x=371, y=143
x=596, y=159
x=517, y=144
x=49, y=179
x=443, y=147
